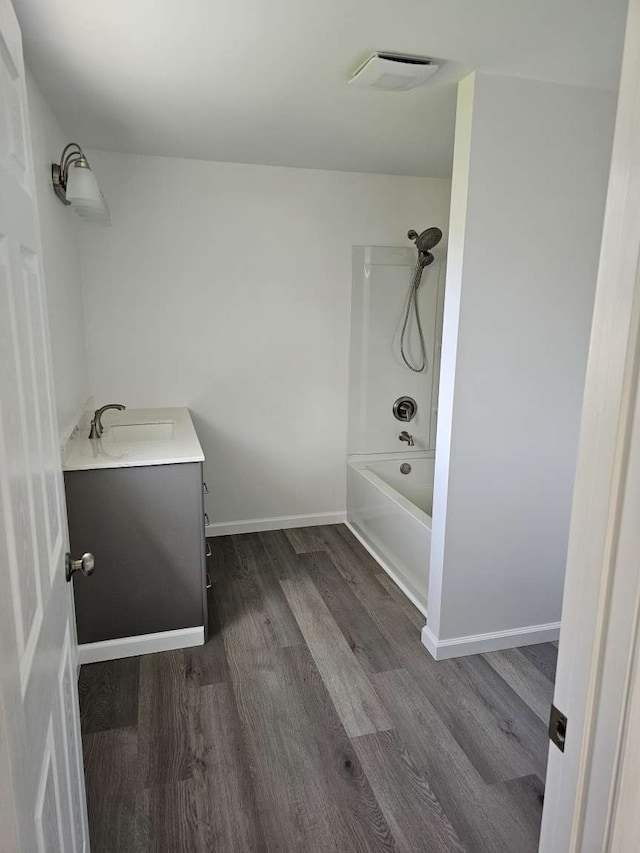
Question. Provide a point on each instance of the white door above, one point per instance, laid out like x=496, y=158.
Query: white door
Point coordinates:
x=601, y=609
x=42, y=799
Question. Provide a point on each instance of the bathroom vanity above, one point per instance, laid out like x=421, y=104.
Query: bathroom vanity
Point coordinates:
x=135, y=501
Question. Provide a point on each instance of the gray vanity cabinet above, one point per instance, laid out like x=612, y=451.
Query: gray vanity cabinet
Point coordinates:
x=145, y=527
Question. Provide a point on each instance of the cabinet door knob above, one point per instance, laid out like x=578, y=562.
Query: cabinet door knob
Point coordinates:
x=86, y=564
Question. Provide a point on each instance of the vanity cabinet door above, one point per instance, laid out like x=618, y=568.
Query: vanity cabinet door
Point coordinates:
x=144, y=526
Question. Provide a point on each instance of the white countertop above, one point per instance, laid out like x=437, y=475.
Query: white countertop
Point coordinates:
x=117, y=449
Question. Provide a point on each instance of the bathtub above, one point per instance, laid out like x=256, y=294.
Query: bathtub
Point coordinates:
x=390, y=512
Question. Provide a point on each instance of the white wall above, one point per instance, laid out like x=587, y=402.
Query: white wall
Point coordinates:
x=226, y=288
x=530, y=177
x=58, y=226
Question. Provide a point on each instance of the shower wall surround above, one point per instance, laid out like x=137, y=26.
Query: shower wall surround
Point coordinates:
x=378, y=377
x=226, y=288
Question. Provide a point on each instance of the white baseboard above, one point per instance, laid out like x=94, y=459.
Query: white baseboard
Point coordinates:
x=143, y=644
x=388, y=568
x=282, y=522
x=478, y=643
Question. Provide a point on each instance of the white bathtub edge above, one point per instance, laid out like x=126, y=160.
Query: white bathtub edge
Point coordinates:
x=478, y=643
x=393, y=494
x=282, y=522
x=387, y=567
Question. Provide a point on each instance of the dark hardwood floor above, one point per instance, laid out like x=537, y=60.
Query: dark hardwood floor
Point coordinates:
x=314, y=720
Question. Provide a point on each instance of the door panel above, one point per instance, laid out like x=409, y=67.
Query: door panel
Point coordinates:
x=48, y=811
x=23, y=563
x=43, y=800
x=70, y=730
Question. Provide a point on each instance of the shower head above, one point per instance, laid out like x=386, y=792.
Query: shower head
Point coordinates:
x=427, y=239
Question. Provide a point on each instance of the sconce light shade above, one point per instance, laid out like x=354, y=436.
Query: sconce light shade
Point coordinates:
x=82, y=185
x=83, y=193
x=75, y=184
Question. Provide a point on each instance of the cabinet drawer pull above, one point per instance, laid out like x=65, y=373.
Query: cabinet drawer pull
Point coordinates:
x=205, y=488
x=209, y=581
x=208, y=549
x=206, y=519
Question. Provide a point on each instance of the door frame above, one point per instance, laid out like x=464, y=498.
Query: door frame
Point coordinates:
x=602, y=588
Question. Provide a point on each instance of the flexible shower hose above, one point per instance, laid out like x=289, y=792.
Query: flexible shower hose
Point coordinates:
x=413, y=301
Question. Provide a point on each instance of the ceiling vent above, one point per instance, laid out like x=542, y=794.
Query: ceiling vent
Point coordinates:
x=393, y=72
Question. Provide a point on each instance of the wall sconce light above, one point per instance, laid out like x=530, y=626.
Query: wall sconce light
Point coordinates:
x=75, y=184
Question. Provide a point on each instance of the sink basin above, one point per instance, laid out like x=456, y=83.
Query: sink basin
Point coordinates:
x=157, y=431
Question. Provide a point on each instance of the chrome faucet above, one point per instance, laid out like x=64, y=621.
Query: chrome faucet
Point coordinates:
x=96, y=423
x=404, y=436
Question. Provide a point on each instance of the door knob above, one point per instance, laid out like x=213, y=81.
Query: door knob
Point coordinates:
x=86, y=564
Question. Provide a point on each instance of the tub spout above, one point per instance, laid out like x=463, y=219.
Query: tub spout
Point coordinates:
x=404, y=436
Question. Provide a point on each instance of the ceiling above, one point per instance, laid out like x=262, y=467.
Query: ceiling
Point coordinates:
x=263, y=81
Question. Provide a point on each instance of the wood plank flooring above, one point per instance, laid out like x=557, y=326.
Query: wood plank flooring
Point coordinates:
x=314, y=720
